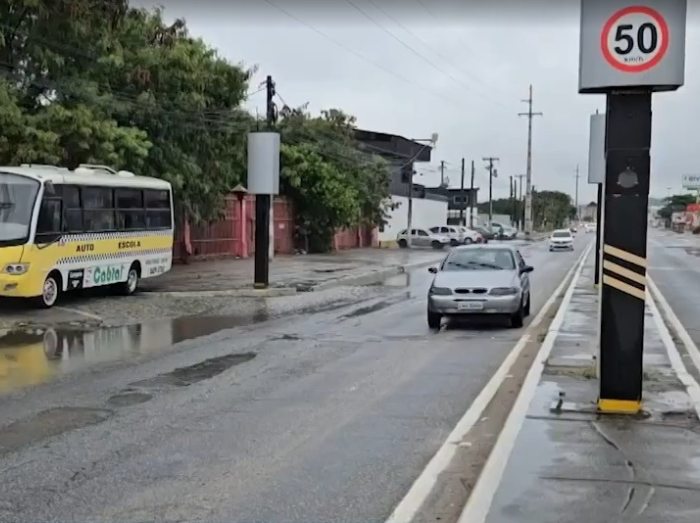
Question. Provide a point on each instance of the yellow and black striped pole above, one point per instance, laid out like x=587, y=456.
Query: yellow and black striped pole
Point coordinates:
x=628, y=140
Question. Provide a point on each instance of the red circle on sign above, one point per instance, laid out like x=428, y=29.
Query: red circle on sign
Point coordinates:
x=627, y=68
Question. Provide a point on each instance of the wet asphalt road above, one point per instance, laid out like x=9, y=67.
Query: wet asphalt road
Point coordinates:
x=323, y=417
x=674, y=265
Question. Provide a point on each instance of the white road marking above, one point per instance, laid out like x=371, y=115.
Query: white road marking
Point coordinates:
x=479, y=503
x=411, y=504
x=79, y=312
x=692, y=386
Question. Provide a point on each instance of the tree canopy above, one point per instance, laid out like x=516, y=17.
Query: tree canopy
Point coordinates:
x=675, y=203
x=550, y=209
x=146, y=96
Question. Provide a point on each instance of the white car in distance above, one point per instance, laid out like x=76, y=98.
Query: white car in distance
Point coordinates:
x=561, y=240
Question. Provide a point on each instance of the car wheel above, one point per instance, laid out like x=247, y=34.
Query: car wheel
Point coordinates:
x=468, y=241
x=50, y=291
x=437, y=245
x=454, y=242
x=518, y=317
x=434, y=320
x=527, y=306
x=403, y=243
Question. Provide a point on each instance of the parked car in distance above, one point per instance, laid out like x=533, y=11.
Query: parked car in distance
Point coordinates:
x=486, y=234
x=422, y=238
x=451, y=231
x=504, y=232
x=471, y=235
x=480, y=280
x=561, y=240
x=591, y=227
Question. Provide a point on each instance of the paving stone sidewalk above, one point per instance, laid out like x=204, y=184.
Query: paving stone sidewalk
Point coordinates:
x=293, y=273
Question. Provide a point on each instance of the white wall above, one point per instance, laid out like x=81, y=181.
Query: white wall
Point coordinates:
x=426, y=213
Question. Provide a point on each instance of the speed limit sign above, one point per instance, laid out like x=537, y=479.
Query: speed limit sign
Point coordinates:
x=634, y=39
x=627, y=43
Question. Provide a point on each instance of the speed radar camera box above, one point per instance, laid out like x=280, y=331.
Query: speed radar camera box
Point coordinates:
x=626, y=44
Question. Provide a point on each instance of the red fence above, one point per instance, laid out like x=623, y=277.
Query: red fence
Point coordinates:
x=221, y=238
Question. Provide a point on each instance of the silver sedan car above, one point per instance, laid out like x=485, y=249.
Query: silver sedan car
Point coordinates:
x=480, y=279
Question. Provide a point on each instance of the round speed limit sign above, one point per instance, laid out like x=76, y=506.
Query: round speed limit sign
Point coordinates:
x=634, y=39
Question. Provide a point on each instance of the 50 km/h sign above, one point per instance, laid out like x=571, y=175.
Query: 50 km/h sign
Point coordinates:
x=635, y=39
x=632, y=44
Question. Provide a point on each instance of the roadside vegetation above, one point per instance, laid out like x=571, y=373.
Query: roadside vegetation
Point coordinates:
x=98, y=81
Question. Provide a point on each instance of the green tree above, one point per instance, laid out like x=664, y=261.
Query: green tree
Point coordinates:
x=42, y=67
x=675, y=203
x=551, y=209
x=143, y=96
x=352, y=185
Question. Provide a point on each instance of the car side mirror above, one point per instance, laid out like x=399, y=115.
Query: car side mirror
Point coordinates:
x=527, y=268
x=432, y=270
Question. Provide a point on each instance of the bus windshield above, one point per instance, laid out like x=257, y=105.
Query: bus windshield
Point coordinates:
x=17, y=196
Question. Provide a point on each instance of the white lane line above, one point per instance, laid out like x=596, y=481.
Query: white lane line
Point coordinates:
x=692, y=386
x=81, y=313
x=479, y=503
x=411, y=504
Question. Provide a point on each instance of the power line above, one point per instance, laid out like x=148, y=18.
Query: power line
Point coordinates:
x=411, y=49
x=360, y=55
x=442, y=56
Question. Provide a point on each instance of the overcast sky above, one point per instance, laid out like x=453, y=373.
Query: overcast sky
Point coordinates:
x=414, y=67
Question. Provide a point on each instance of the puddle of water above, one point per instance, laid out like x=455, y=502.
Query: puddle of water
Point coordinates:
x=29, y=358
x=46, y=424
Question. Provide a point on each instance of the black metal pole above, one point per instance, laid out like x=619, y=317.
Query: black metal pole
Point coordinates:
x=262, y=240
x=462, y=202
x=263, y=205
x=598, y=233
x=627, y=165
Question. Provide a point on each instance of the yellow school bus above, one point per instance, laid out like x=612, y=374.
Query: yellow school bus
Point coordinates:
x=62, y=230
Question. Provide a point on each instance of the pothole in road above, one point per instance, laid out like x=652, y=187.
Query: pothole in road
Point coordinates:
x=48, y=423
x=185, y=376
x=128, y=399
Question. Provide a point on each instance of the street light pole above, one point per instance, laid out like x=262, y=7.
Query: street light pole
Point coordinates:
x=432, y=142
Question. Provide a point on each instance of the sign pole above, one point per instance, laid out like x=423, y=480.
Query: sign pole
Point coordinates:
x=629, y=50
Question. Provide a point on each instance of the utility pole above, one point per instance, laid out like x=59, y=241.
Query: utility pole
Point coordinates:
x=528, y=185
x=262, y=175
x=513, y=212
x=472, y=199
x=442, y=173
x=492, y=174
x=577, y=176
x=462, y=203
x=521, y=207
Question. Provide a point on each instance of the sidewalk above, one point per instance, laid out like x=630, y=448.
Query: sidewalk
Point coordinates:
x=572, y=466
x=289, y=274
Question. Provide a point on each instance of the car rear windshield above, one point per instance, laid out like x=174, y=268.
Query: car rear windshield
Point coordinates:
x=479, y=259
x=561, y=234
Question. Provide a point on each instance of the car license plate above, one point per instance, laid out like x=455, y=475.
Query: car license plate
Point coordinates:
x=470, y=306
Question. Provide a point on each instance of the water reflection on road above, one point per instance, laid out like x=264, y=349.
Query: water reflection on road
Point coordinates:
x=33, y=357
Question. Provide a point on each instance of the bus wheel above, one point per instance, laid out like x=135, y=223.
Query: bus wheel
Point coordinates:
x=50, y=291
x=128, y=287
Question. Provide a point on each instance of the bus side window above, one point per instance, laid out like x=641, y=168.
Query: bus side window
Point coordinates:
x=130, y=209
x=49, y=223
x=98, y=208
x=72, y=209
x=158, y=209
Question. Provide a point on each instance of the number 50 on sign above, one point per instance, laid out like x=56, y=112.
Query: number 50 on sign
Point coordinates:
x=632, y=44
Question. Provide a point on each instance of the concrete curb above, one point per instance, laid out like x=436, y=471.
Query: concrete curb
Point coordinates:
x=272, y=292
